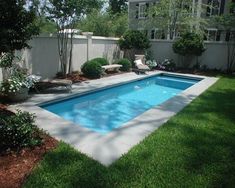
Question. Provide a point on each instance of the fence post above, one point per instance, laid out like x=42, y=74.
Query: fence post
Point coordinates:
x=1, y=75
x=89, y=43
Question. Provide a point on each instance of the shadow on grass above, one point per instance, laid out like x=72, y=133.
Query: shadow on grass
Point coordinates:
x=210, y=136
x=65, y=167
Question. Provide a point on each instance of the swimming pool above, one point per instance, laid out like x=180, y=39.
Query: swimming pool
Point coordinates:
x=107, y=109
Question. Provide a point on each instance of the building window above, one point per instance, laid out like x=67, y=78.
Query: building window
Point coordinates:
x=142, y=10
x=213, y=7
x=212, y=35
x=157, y=34
x=230, y=36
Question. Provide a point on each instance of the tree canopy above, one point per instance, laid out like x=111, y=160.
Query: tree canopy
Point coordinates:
x=134, y=39
x=17, y=25
x=189, y=44
x=117, y=6
x=173, y=17
x=67, y=13
x=104, y=23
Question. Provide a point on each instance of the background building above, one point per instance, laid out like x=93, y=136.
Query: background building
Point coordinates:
x=138, y=17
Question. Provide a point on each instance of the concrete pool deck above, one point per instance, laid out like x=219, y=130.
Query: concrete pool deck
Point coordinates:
x=110, y=147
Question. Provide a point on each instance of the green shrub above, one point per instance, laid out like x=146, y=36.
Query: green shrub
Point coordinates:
x=126, y=64
x=189, y=44
x=92, y=69
x=18, y=131
x=101, y=61
x=134, y=40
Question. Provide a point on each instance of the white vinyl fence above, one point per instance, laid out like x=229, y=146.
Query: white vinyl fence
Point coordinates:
x=43, y=59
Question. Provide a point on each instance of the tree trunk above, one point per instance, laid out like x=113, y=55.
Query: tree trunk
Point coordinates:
x=70, y=53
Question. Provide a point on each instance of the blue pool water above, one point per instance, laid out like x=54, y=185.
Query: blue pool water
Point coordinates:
x=105, y=110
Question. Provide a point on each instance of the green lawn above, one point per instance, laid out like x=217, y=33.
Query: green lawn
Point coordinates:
x=195, y=148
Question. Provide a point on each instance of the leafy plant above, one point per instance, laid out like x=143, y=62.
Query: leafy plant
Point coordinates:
x=92, y=69
x=117, y=6
x=11, y=85
x=167, y=64
x=126, y=64
x=18, y=131
x=134, y=40
x=189, y=44
x=17, y=80
x=104, y=23
x=6, y=60
x=151, y=64
x=101, y=61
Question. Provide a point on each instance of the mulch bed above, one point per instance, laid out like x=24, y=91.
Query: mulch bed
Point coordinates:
x=15, y=167
x=75, y=77
x=199, y=72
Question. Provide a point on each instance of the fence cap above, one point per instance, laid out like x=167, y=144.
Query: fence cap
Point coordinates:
x=87, y=33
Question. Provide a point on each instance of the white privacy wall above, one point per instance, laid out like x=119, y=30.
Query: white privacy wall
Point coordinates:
x=215, y=55
x=43, y=59
x=105, y=47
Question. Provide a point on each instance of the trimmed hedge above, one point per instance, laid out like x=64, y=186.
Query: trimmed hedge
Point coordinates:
x=92, y=69
x=101, y=61
x=126, y=64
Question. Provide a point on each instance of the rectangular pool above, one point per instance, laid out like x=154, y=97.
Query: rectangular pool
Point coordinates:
x=107, y=109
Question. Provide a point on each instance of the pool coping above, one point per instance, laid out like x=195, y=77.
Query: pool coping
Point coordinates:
x=109, y=147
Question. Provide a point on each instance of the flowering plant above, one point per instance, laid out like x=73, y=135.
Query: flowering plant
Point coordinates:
x=11, y=85
x=14, y=83
x=17, y=78
x=31, y=80
x=151, y=63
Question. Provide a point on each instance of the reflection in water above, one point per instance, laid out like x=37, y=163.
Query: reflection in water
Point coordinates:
x=105, y=110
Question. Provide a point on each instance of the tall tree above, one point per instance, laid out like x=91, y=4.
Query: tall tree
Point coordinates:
x=65, y=14
x=173, y=16
x=226, y=22
x=104, y=23
x=117, y=6
x=17, y=25
x=39, y=7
